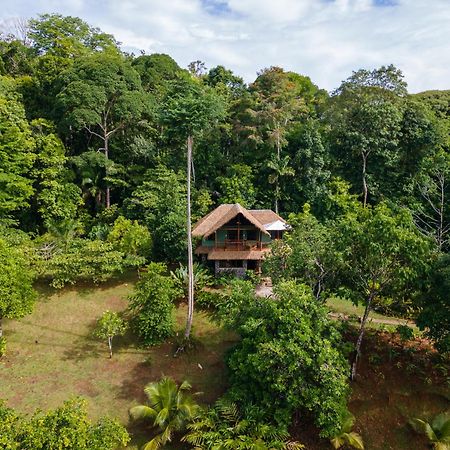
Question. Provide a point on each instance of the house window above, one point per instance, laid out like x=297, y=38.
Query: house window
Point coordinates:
x=232, y=235
x=252, y=235
x=278, y=234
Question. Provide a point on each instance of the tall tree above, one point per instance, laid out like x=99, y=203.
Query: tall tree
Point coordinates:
x=432, y=210
x=276, y=102
x=189, y=109
x=16, y=152
x=67, y=36
x=365, y=116
x=56, y=198
x=102, y=95
x=384, y=256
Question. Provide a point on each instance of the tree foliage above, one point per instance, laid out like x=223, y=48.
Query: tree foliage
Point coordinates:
x=434, y=318
x=225, y=426
x=65, y=427
x=273, y=365
x=152, y=304
x=17, y=295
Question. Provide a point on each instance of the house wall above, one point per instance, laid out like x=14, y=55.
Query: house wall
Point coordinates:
x=265, y=239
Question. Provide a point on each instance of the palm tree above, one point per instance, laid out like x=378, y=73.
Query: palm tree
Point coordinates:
x=170, y=408
x=346, y=436
x=281, y=168
x=437, y=431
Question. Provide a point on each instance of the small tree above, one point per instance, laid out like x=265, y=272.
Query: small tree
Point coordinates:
x=110, y=325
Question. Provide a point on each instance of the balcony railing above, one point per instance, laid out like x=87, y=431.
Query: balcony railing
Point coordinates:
x=241, y=245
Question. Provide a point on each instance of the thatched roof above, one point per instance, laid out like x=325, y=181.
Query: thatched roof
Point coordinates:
x=223, y=214
x=218, y=254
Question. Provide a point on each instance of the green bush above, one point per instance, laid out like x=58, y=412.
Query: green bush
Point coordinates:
x=210, y=300
x=130, y=238
x=66, y=427
x=86, y=260
x=406, y=333
x=152, y=304
x=288, y=357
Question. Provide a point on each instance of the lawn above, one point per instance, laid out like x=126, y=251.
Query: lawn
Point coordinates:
x=52, y=356
x=342, y=306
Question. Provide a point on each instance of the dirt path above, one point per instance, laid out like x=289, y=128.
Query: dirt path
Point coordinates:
x=386, y=321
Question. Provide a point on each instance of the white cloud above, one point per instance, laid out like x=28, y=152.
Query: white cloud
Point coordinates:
x=325, y=39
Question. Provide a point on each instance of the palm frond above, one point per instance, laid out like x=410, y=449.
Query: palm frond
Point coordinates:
x=441, y=424
x=142, y=412
x=420, y=426
x=354, y=440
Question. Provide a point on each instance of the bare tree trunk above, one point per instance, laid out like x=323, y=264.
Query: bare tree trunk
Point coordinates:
x=110, y=346
x=1, y=327
x=362, y=329
x=364, y=177
x=108, y=191
x=440, y=233
x=190, y=314
x=278, y=144
x=276, y=204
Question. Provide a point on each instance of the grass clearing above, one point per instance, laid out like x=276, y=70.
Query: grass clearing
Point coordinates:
x=52, y=355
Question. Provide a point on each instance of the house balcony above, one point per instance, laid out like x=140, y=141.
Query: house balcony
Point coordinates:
x=240, y=245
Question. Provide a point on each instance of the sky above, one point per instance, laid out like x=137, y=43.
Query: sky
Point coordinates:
x=323, y=39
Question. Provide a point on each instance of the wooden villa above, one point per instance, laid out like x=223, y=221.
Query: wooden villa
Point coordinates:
x=236, y=239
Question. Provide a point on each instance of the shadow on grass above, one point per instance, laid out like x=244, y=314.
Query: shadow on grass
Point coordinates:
x=86, y=346
x=39, y=326
x=90, y=346
x=132, y=388
x=83, y=288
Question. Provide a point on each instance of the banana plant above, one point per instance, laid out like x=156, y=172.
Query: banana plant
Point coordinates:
x=437, y=431
x=346, y=436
